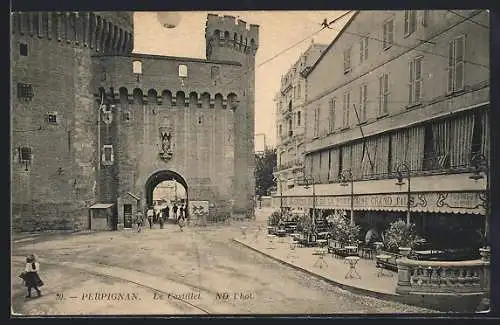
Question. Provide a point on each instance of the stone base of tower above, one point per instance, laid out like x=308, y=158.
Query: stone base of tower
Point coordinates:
x=69, y=216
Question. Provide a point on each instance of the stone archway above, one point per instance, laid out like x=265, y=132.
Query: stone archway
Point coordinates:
x=160, y=176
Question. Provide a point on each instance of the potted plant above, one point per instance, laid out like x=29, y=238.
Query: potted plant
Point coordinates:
x=273, y=220
x=400, y=237
x=342, y=230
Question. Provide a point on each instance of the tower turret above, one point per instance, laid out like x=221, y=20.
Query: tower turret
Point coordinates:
x=230, y=39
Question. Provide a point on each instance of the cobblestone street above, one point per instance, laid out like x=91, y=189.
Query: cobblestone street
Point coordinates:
x=165, y=271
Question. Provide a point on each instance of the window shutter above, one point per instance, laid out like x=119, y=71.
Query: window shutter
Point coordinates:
x=450, y=66
x=381, y=94
x=385, y=35
x=366, y=48
x=365, y=100
x=418, y=79
x=413, y=20
x=425, y=18
x=459, y=63
x=407, y=22
x=391, y=32
x=410, y=83
x=361, y=49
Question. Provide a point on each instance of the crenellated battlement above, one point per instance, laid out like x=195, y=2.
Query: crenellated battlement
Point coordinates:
x=227, y=31
x=88, y=29
x=168, y=98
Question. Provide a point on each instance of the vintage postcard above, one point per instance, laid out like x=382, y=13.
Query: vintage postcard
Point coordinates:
x=250, y=162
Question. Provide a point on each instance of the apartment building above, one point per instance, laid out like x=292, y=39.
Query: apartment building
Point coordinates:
x=290, y=119
x=398, y=93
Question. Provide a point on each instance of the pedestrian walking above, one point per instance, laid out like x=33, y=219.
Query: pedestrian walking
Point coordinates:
x=181, y=212
x=181, y=222
x=139, y=220
x=166, y=213
x=150, y=214
x=174, y=210
x=160, y=219
x=31, y=277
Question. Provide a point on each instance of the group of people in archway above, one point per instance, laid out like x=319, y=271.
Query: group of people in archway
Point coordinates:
x=157, y=215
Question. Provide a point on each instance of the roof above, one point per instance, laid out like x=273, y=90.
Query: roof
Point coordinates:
x=134, y=196
x=331, y=44
x=166, y=58
x=101, y=206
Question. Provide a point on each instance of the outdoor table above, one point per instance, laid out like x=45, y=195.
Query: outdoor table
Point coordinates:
x=322, y=242
x=352, y=273
x=378, y=246
x=323, y=234
x=351, y=250
x=321, y=252
x=385, y=258
x=270, y=239
x=244, y=232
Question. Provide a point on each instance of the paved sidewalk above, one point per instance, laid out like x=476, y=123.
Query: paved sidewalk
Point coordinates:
x=334, y=269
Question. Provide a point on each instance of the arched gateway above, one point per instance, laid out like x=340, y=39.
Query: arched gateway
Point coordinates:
x=161, y=176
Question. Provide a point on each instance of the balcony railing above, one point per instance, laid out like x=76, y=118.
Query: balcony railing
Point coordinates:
x=431, y=165
x=415, y=276
x=290, y=164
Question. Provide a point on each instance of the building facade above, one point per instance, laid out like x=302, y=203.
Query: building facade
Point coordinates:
x=396, y=89
x=290, y=120
x=95, y=123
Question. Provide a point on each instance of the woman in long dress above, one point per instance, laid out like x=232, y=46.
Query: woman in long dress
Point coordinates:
x=31, y=277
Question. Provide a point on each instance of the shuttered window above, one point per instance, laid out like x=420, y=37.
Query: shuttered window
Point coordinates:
x=415, y=81
x=456, y=64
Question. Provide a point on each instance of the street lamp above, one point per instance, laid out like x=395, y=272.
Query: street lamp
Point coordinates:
x=479, y=165
x=401, y=183
x=346, y=177
x=279, y=180
x=310, y=181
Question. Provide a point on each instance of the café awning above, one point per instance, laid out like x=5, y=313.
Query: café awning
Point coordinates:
x=437, y=193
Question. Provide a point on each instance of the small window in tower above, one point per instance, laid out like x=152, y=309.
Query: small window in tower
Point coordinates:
x=52, y=118
x=107, y=154
x=137, y=67
x=24, y=91
x=23, y=49
x=215, y=72
x=183, y=71
x=24, y=154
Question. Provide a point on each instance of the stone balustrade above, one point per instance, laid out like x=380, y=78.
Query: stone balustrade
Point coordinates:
x=443, y=277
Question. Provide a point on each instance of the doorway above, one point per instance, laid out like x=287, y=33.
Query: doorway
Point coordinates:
x=127, y=216
x=167, y=188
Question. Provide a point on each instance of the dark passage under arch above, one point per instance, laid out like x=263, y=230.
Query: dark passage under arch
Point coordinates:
x=164, y=175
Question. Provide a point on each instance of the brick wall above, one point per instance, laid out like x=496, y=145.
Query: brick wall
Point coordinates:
x=59, y=184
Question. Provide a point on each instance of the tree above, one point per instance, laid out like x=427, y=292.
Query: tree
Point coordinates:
x=264, y=164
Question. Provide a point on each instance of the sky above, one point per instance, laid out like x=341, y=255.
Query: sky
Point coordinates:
x=278, y=31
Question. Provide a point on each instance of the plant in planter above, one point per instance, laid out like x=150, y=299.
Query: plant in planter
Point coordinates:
x=400, y=235
x=274, y=219
x=304, y=224
x=342, y=230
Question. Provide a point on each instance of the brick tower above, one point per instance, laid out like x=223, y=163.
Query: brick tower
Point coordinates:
x=228, y=39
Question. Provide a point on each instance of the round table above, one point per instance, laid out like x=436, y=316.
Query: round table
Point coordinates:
x=322, y=242
x=351, y=250
x=352, y=273
x=384, y=258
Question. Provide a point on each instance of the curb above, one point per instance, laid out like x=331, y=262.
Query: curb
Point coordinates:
x=413, y=300
x=353, y=289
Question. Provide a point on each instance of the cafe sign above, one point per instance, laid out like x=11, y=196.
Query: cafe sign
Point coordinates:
x=453, y=202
